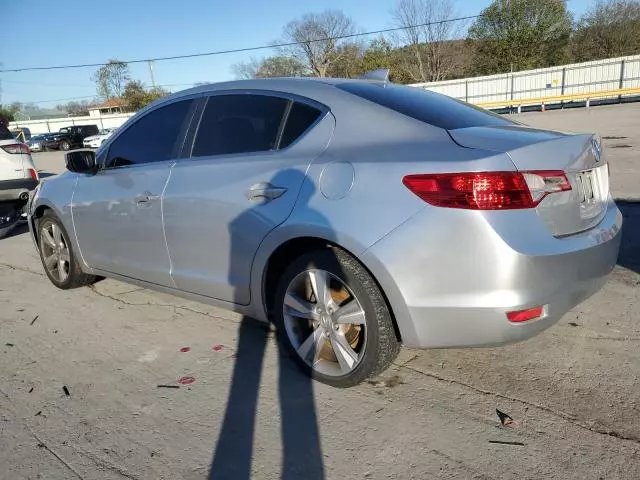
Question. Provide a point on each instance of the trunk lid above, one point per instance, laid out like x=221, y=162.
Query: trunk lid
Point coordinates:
x=11, y=164
x=578, y=155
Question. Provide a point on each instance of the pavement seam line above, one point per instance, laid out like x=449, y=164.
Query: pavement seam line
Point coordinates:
x=150, y=304
x=21, y=269
x=565, y=416
x=52, y=452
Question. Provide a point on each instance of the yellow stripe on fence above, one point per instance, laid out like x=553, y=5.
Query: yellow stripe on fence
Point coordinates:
x=588, y=96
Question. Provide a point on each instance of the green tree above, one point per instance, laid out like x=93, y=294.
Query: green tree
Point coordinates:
x=520, y=35
x=280, y=66
x=136, y=96
x=609, y=29
x=6, y=115
x=110, y=79
x=380, y=54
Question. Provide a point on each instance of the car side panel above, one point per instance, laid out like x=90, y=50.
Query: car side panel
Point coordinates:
x=354, y=195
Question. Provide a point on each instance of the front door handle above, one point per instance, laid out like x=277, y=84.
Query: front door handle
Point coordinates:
x=146, y=197
x=265, y=191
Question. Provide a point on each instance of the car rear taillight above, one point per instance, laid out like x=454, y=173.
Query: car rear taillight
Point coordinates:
x=487, y=190
x=33, y=174
x=520, y=316
x=16, y=148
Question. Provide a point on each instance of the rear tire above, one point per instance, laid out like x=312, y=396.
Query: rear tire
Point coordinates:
x=56, y=253
x=344, y=340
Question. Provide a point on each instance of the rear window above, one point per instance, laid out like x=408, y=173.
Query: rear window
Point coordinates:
x=429, y=107
x=300, y=119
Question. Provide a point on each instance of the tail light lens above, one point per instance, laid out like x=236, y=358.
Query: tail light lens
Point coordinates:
x=33, y=174
x=520, y=316
x=487, y=190
x=16, y=148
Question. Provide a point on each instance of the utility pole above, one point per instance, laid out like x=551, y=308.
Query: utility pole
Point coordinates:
x=153, y=80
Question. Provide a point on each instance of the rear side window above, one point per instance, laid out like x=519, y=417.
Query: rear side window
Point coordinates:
x=153, y=138
x=5, y=134
x=239, y=123
x=428, y=107
x=301, y=117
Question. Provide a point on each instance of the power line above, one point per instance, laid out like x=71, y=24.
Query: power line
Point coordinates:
x=94, y=96
x=247, y=49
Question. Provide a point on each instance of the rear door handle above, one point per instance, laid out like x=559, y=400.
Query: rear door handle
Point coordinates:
x=265, y=191
x=146, y=197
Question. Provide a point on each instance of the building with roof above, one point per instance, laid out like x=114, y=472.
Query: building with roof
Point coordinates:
x=110, y=106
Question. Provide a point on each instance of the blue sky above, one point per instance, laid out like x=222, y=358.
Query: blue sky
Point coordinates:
x=49, y=32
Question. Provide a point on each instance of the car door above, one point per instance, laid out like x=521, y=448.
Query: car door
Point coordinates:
x=249, y=160
x=117, y=212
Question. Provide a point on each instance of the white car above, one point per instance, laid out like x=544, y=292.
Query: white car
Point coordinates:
x=94, y=141
x=18, y=177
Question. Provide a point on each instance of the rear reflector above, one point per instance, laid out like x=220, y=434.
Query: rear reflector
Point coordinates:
x=16, y=148
x=487, y=190
x=520, y=316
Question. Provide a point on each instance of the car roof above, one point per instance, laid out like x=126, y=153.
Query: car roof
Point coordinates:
x=294, y=85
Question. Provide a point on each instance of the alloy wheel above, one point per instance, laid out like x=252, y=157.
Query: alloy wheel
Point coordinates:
x=324, y=322
x=55, y=251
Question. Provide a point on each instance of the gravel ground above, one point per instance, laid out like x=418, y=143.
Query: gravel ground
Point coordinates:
x=572, y=391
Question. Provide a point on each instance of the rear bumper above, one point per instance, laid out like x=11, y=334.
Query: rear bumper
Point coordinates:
x=13, y=189
x=454, y=286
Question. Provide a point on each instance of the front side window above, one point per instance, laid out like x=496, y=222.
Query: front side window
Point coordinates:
x=239, y=123
x=153, y=138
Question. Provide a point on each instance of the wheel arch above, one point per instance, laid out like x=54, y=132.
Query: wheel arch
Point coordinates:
x=292, y=248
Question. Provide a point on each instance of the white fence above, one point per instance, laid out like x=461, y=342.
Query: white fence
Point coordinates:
x=55, y=124
x=577, y=78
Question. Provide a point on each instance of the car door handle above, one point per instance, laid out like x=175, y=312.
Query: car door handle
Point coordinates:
x=265, y=191
x=146, y=197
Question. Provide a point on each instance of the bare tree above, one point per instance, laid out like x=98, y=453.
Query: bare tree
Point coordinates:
x=426, y=37
x=317, y=38
x=246, y=70
x=111, y=78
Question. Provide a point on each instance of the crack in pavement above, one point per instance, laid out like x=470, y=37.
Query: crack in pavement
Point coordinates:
x=99, y=462
x=565, y=416
x=42, y=444
x=21, y=269
x=151, y=304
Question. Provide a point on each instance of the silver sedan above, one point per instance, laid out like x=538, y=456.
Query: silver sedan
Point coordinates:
x=356, y=215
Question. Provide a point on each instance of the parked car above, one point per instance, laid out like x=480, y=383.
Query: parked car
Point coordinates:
x=18, y=177
x=39, y=142
x=95, y=141
x=22, y=134
x=71, y=137
x=356, y=215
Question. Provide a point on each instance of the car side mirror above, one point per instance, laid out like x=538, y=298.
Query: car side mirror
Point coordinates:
x=81, y=161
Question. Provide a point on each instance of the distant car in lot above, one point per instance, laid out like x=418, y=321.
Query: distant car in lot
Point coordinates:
x=95, y=141
x=23, y=134
x=71, y=137
x=355, y=214
x=39, y=142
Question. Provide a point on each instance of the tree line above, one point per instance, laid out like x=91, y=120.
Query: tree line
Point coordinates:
x=431, y=45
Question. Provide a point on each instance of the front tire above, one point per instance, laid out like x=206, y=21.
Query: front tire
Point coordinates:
x=57, y=255
x=333, y=319
x=64, y=145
